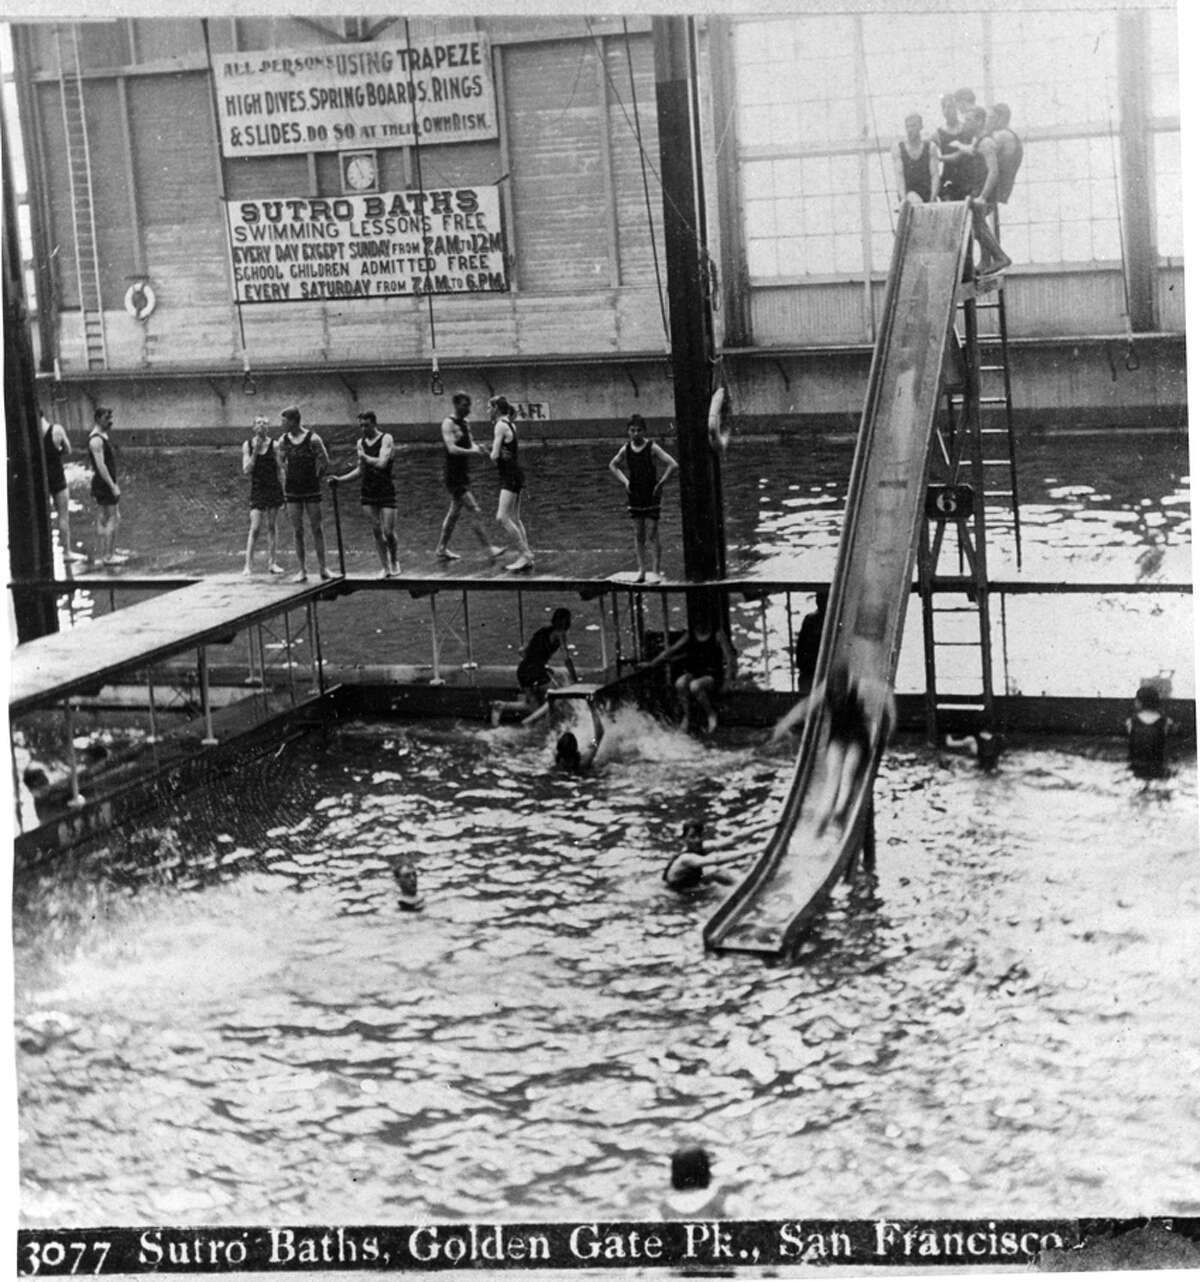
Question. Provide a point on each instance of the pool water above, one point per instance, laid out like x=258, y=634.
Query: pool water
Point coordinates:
x=223, y=1017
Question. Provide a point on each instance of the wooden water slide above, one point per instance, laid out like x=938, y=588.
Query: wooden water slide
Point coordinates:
x=805, y=855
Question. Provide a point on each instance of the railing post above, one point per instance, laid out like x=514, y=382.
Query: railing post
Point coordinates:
x=209, y=740
x=153, y=736
x=470, y=664
x=12, y=756
x=436, y=680
x=603, y=633
x=337, y=529
x=762, y=616
x=76, y=799
x=287, y=643
x=787, y=598
x=314, y=646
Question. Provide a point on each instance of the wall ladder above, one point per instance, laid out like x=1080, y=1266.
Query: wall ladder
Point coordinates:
x=83, y=209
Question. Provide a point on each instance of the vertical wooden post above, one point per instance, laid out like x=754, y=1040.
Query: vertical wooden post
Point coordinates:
x=31, y=551
x=1133, y=81
x=690, y=310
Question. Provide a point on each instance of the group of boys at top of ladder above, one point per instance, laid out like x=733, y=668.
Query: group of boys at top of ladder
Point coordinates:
x=974, y=155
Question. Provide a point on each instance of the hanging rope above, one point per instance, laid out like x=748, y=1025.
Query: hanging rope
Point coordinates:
x=1132, y=360
x=878, y=146
x=249, y=388
x=436, y=387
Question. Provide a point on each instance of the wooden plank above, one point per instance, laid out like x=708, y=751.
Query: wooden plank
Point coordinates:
x=53, y=667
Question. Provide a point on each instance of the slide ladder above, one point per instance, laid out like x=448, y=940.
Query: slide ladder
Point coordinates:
x=883, y=526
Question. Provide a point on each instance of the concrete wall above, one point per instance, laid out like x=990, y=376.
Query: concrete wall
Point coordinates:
x=1056, y=386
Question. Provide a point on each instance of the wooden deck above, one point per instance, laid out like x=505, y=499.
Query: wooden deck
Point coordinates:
x=82, y=658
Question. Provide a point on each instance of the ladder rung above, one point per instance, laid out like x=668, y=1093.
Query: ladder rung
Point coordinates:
x=992, y=369
x=997, y=494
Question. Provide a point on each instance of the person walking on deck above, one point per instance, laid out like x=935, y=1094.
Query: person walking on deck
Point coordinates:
x=261, y=464
x=917, y=161
x=305, y=461
x=105, y=490
x=56, y=446
x=512, y=479
x=643, y=487
x=376, y=453
x=459, y=448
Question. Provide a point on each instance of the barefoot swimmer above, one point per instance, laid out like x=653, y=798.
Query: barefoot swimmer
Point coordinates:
x=260, y=463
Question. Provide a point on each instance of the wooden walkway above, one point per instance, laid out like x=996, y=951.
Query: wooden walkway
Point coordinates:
x=54, y=667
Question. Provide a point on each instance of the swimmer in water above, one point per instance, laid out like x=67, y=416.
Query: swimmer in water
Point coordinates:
x=406, y=883
x=694, y=866
x=856, y=709
x=984, y=744
x=1147, y=729
x=567, y=754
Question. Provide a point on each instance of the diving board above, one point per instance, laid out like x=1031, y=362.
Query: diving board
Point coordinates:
x=51, y=668
x=872, y=582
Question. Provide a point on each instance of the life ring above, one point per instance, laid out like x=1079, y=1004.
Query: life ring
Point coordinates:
x=140, y=301
x=720, y=410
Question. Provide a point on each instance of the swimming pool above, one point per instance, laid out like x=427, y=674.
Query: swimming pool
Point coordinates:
x=224, y=1017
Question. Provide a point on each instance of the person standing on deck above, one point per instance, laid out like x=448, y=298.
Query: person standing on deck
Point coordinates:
x=261, y=464
x=917, y=162
x=305, y=461
x=376, y=453
x=643, y=486
x=105, y=490
x=459, y=447
x=56, y=446
x=512, y=479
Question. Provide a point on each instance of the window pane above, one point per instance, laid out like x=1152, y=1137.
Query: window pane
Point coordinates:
x=1168, y=201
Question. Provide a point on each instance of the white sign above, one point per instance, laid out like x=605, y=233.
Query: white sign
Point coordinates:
x=327, y=98
x=394, y=243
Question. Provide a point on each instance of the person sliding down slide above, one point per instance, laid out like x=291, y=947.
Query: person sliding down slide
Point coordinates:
x=855, y=708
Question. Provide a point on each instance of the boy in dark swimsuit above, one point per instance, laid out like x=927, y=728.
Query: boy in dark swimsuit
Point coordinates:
x=533, y=675
x=261, y=464
x=305, y=461
x=376, y=453
x=644, y=487
x=105, y=489
x=512, y=479
x=694, y=865
x=460, y=447
x=56, y=446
